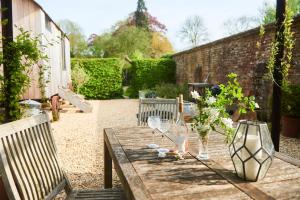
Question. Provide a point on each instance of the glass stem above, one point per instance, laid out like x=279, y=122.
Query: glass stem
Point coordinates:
x=153, y=132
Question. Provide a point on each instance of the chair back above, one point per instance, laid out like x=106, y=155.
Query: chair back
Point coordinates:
x=164, y=108
x=29, y=165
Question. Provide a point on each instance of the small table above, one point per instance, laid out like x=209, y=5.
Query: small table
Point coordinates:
x=145, y=176
x=199, y=86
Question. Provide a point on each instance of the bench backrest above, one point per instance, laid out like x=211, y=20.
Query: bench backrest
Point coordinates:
x=29, y=165
x=165, y=108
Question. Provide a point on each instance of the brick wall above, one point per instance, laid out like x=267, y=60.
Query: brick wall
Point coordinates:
x=238, y=54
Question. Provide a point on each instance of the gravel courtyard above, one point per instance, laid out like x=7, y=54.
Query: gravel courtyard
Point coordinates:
x=78, y=137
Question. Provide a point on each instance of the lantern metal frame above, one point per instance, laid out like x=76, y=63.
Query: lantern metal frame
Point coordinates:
x=268, y=152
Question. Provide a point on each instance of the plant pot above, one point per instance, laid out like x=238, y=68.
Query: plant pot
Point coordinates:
x=291, y=126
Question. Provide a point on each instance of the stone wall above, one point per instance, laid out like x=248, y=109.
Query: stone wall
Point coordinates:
x=238, y=54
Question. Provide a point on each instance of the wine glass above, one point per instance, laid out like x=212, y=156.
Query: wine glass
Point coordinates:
x=153, y=123
x=164, y=128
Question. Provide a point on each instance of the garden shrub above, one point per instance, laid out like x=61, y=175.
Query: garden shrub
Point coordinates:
x=105, y=77
x=147, y=73
x=79, y=77
x=171, y=91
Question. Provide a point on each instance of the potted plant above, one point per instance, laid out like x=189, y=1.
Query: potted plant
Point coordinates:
x=290, y=109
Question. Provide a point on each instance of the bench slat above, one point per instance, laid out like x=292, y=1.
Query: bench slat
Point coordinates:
x=45, y=156
x=50, y=138
x=23, y=166
x=35, y=164
x=32, y=173
x=13, y=165
x=53, y=161
x=39, y=156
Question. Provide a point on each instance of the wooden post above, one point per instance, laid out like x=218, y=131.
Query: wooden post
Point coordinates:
x=7, y=37
x=277, y=73
x=107, y=168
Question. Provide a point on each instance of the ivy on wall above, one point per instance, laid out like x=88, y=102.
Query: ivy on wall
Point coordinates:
x=25, y=51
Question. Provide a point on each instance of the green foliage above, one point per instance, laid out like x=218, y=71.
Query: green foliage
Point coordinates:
x=289, y=43
x=21, y=55
x=232, y=93
x=268, y=11
x=105, y=77
x=79, y=77
x=127, y=41
x=212, y=109
x=171, y=91
x=141, y=19
x=148, y=73
x=291, y=101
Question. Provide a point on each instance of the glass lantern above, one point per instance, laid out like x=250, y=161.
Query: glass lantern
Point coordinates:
x=252, y=150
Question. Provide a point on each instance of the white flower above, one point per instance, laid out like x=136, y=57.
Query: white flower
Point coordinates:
x=256, y=105
x=212, y=113
x=227, y=122
x=211, y=100
x=203, y=127
x=195, y=94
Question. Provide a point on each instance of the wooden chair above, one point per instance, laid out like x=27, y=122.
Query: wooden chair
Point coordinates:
x=165, y=108
x=29, y=164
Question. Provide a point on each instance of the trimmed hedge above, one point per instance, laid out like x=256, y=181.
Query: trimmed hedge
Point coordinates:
x=147, y=73
x=105, y=77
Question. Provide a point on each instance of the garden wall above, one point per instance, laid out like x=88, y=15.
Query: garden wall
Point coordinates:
x=239, y=54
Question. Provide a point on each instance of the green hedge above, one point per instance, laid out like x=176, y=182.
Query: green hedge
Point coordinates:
x=105, y=77
x=147, y=73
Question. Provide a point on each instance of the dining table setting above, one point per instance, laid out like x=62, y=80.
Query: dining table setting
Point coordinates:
x=155, y=162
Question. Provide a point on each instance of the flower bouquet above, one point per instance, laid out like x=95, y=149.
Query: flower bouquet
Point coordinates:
x=212, y=107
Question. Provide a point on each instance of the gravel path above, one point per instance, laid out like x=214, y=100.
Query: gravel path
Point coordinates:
x=78, y=137
x=79, y=140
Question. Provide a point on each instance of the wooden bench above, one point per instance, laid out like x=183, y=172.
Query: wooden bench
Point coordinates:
x=164, y=108
x=29, y=165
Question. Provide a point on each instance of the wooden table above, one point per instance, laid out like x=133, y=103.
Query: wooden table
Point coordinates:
x=145, y=176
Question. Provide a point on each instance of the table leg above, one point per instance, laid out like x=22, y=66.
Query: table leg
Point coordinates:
x=107, y=168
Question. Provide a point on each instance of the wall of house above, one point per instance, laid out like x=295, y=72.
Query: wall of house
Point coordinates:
x=31, y=17
x=238, y=54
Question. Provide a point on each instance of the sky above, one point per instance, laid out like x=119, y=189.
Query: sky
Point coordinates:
x=97, y=16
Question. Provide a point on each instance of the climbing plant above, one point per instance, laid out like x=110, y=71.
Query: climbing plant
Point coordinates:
x=24, y=52
x=289, y=43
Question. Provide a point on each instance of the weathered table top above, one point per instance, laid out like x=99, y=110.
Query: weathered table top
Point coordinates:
x=145, y=176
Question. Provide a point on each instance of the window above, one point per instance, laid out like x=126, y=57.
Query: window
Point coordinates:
x=63, y=53
x=48, y=23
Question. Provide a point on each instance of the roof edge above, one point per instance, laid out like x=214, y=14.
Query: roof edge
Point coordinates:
x=38, y=5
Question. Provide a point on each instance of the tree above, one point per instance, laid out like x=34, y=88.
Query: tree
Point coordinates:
x=141, y=19
x=126, y=42
x=139, y=35
x=75, y=34
x=160, y=45
x=237, y=25
x=193, y=31
x=268, y=10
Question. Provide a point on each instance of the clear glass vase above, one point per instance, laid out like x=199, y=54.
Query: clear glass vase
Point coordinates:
x=203, y=148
